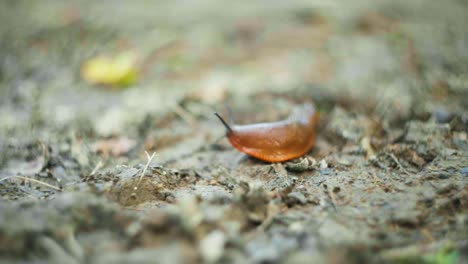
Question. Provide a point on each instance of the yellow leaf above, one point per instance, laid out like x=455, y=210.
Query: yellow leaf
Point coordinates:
x=120, y=70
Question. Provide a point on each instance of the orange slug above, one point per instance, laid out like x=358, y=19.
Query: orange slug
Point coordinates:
x=276, y=141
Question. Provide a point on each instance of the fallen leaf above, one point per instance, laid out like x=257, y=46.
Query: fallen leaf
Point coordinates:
x=22, y=167
x=28, y=167
x=120, y=70
x=115, y=146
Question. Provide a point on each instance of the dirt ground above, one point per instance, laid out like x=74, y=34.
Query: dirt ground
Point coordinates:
x=142, y=173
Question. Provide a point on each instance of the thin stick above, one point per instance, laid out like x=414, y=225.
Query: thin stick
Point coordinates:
x=185, y=115
x=332, y=196
x=33, y=180
x=45, y=154
x=150, y=158
x=98, y=166
x=399, y=164
x=333, y=199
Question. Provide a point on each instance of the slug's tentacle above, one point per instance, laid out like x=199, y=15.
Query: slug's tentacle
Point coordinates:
x=226, y=125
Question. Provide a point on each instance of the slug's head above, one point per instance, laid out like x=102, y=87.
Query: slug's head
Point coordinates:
x=229, y=130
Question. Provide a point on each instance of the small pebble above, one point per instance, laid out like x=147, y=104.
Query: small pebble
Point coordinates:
x=323, y=164
x=442, y=115
x=464, y=171
x=326, y=171
x=297, y=198
x=212, y=246
x=465, y=119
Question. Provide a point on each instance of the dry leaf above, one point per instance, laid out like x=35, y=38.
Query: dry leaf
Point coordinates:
x=115, y=146
x=28, y=167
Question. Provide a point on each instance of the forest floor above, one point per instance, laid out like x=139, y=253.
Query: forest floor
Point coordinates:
x=95, y=173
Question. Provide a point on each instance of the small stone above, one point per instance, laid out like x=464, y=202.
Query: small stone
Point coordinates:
x=297, y=198
x=301, y=165
x=212, y=246
x=464, y=171
x=344, y=162
x=447, y=188
x=323, y=164
x=442, y=115
x=326, y=171
x=296, y=228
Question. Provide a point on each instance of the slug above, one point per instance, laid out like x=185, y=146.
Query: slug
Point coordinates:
x=276, y=141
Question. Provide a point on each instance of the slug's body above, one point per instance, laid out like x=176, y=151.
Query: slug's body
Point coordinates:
x=276, y=141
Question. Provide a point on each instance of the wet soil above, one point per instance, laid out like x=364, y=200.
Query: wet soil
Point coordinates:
x=144, y=173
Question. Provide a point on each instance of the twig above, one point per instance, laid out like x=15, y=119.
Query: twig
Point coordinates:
x=428, y=235
x=398, y=163
x=45, y=153
x=332, y=195
x=33, y=180
x=185, y=115
x=333, y=199
x=320, y=182
x=98, y=166
x=150, y=158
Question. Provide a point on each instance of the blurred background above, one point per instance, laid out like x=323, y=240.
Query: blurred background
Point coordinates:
x=110, y=63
